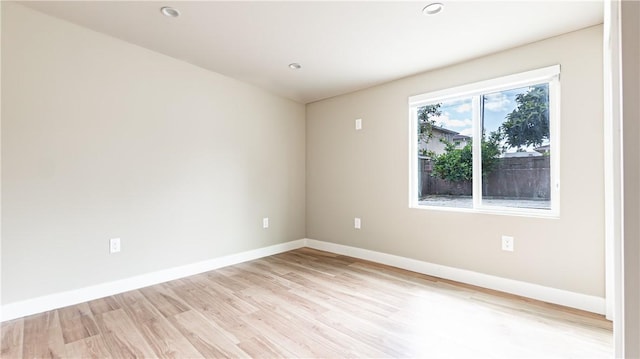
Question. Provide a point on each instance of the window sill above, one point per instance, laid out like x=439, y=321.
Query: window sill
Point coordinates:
x=500, y=211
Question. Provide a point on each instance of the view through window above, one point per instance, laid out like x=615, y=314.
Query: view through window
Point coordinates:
x=491, y=149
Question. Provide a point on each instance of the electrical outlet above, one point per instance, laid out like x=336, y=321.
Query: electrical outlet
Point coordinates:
x=357, y=223
x=265, y=222
x=114, y=245
x=358, y=124
x=507, y=243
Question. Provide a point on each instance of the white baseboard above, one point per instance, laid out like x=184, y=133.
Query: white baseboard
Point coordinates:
x=63, y=299
x=547, y=294
x=59, y=300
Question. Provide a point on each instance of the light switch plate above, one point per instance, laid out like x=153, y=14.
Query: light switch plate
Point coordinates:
x=114, y=245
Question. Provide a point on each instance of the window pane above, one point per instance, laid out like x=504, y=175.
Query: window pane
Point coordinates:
x=516, y=148
x=445, y=160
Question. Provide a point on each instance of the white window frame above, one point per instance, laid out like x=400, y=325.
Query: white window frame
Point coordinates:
x=550, y=75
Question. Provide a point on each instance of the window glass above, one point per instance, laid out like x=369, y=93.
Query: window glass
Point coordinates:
x=488, y=146
x=445, y=156
x=516, y=148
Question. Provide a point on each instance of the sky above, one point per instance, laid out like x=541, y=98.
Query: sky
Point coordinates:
x=457, y=116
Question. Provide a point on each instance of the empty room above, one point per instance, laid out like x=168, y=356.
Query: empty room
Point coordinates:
x=320, y=179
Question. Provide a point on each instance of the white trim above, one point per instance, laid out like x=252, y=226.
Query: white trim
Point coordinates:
x=549, y=75
x=476, y=156
x=413, y=158
x=493, y=85
x=495, y=210
x=555, y=118
x=613, y=169
x=63, y=299
x=59, y=300
x=547, y=294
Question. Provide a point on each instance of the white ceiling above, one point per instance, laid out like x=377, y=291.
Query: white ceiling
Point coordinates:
x=342, y=46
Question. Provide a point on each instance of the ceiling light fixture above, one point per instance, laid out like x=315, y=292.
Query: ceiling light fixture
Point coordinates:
x=433, y=8
x=169, y=11
x=295, y=66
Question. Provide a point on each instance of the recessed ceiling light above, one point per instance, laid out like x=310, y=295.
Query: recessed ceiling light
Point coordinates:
x=433, y=8
x=169, y=11
x=295, y=66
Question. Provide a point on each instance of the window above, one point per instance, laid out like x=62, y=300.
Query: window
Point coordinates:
x=490, y=146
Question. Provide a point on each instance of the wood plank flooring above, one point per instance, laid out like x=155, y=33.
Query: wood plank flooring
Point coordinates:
x=308, y=303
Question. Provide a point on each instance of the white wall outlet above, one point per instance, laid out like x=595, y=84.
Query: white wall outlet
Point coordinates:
x=357, y=224
x=265, y=222
x=358, y=124
x=507, y=243
x=114, y=245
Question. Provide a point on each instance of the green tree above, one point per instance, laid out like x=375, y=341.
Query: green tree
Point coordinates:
x=528, y=123
x=426, y=121
x=456, y=164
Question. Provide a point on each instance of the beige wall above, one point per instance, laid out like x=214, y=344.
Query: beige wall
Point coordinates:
x=366, y=174
x=630, y=39
x=105, y=139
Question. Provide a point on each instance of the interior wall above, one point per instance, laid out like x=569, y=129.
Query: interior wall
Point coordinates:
x=104, y=139
x=366, y=174
x=630, y=41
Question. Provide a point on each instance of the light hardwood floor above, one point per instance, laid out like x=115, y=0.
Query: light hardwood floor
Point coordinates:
x=308, y=303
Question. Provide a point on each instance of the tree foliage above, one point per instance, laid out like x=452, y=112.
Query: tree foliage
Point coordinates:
x=528, y=123
x=456, y=164
x=426, y=121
